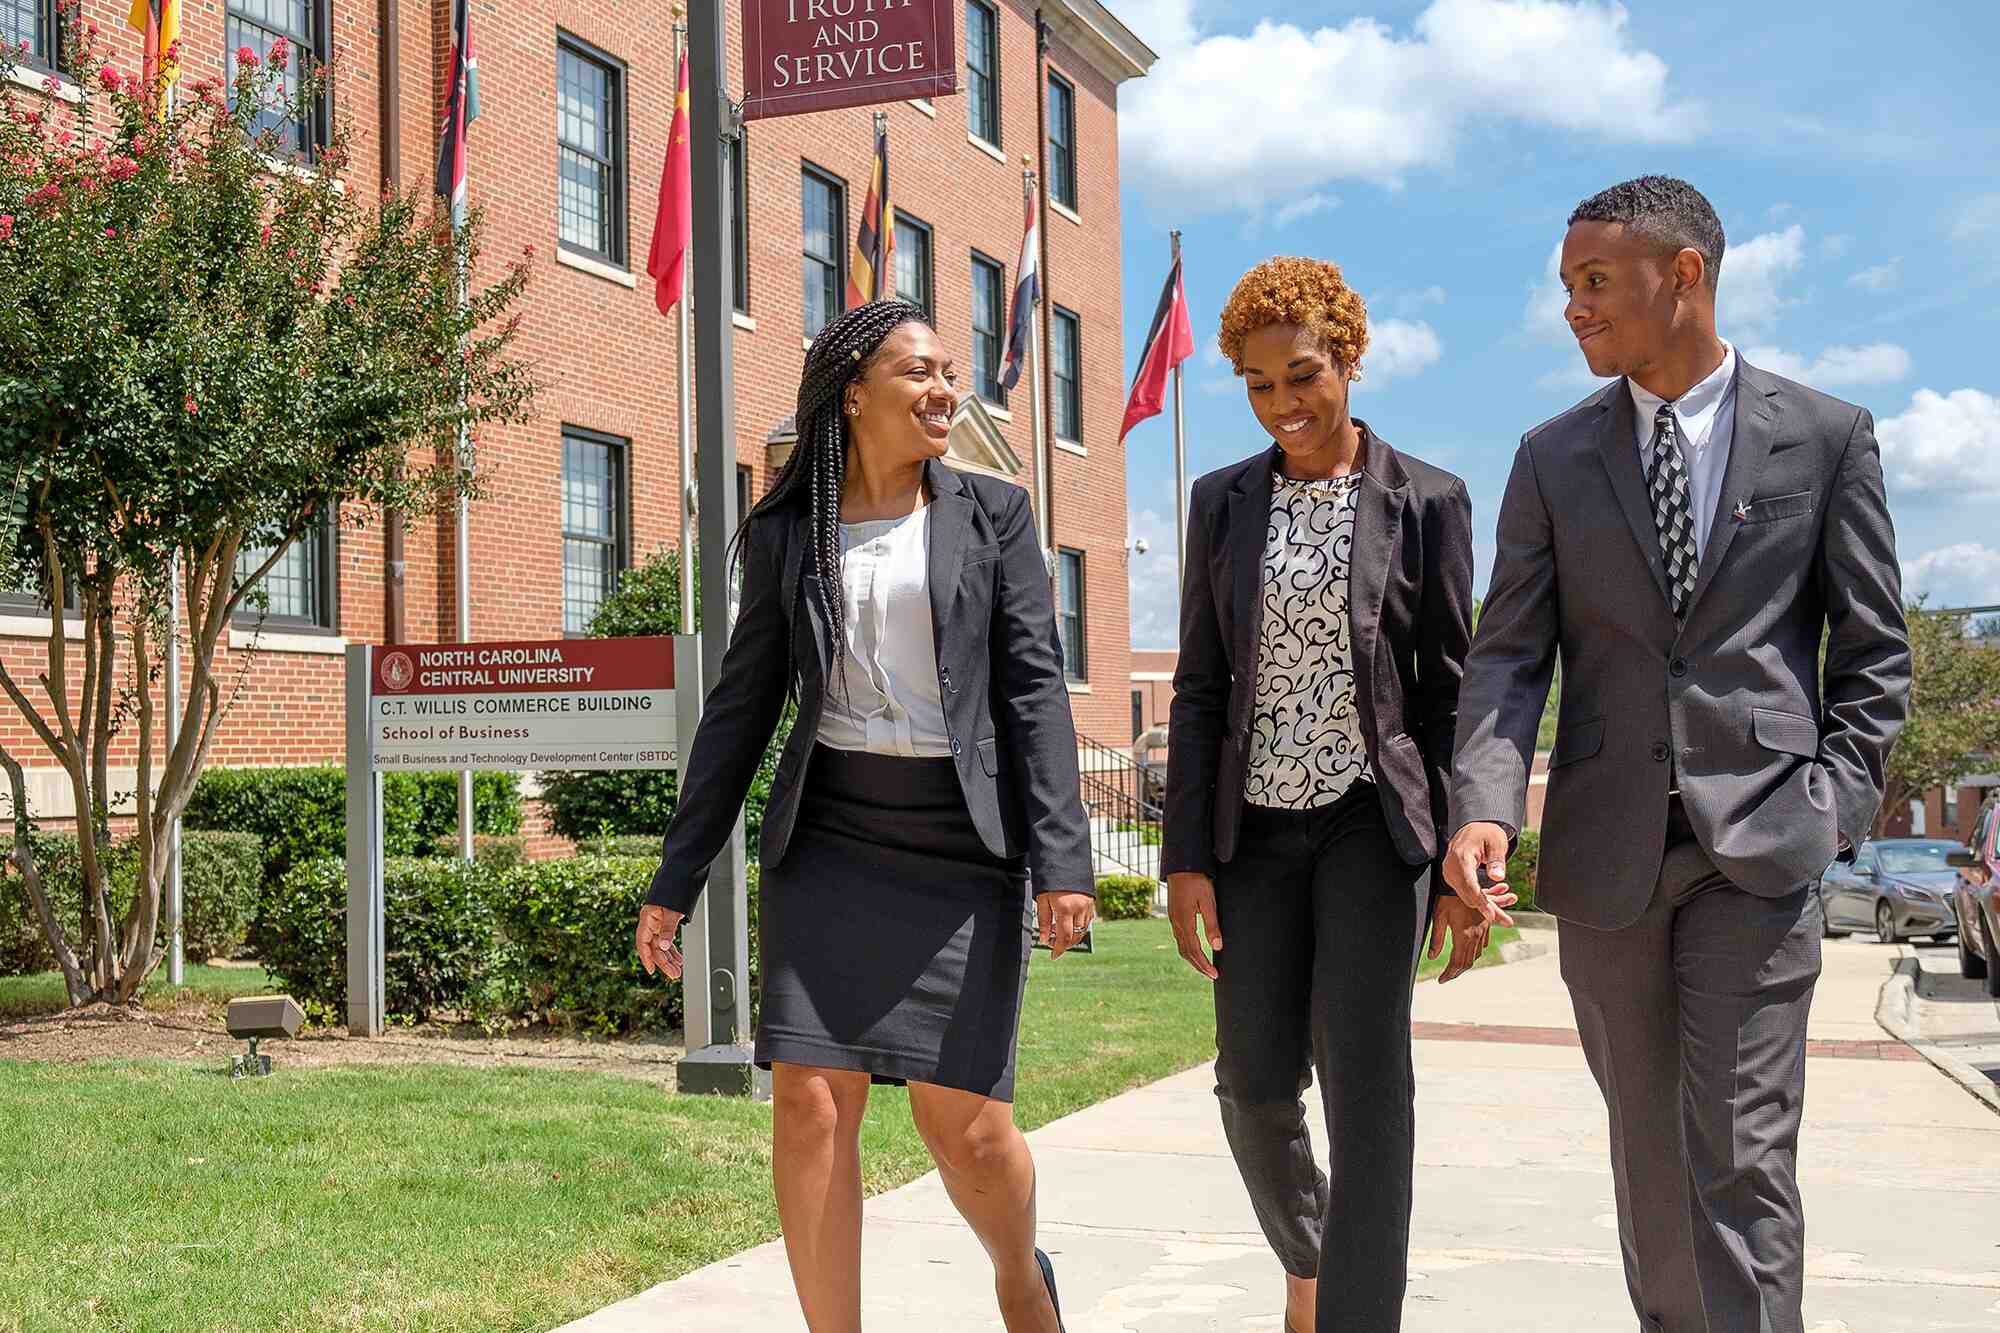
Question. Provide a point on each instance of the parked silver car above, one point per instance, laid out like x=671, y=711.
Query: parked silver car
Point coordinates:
x=1897, y=887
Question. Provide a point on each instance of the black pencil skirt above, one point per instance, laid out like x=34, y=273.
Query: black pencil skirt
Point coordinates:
x=892, y=940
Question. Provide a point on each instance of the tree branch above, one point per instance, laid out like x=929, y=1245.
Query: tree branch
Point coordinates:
x=23, y=857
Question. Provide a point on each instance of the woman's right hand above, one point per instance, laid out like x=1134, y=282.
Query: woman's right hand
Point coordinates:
x=655, y=940
x=1191, y=896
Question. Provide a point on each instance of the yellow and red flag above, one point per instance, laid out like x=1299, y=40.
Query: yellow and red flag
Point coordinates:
x=673, y=226
x=871, y=275
x=160, y=20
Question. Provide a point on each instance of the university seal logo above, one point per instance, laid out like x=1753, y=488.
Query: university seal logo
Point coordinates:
x=398, y=671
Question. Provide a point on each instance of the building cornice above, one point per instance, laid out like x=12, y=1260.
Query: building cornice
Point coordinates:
x=1100, y=37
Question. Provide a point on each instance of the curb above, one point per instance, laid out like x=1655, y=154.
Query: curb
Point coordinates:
x=1895, y=1014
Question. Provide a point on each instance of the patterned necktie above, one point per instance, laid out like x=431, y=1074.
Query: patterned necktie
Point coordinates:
x=1667, y=479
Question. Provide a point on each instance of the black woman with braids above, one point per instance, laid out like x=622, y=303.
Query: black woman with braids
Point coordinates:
x=927, y=792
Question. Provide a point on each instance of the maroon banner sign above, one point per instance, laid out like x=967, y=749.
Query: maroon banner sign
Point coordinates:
x=816, y=55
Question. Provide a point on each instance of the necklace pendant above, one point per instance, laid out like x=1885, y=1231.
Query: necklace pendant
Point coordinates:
x=1742, y=511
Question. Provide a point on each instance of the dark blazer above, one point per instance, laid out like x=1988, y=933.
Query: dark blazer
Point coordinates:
x=999, y=665
x=1410, y=600
x=1773, y=767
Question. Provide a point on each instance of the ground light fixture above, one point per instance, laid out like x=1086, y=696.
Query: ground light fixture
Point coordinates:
x=257, y=1018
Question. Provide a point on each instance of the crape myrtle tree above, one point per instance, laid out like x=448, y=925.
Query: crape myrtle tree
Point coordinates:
x=1954, y=722
x=208, y=349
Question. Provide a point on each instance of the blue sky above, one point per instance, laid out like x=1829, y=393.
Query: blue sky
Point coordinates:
x=1434, y=148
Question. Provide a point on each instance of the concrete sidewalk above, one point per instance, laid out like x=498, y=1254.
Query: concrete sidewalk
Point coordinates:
x=1143, y=1213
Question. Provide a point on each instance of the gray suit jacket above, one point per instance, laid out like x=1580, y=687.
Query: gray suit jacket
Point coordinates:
x=1776, y=757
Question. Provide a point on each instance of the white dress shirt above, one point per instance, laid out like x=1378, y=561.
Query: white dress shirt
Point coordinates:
x=886, y=698
x=1707, y=417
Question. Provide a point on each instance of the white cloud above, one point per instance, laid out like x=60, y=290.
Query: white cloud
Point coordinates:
x=1403, y=98
x=1777, y=210
x=1748, y=299
x=1154, y=582
x=1399, y=347
x=1542, y=318
x=1880, y=278
x=1300, y=209
x=1836, y=367
x=1965, y=574
x=1944, y=444
x=1977, y=219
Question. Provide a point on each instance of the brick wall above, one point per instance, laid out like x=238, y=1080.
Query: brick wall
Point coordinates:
x=607, y=358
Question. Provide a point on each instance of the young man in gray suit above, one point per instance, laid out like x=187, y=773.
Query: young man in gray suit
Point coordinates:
x=1686, y=539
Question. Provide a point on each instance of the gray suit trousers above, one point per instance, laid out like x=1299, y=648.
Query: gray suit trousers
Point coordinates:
x=1693, y=1019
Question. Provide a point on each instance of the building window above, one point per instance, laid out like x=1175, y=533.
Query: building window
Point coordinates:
x=297, y=592
x=989, y=322
x=593, y=523
x=823, y=267
x=743, y=484
x=739, y=218
x=1069, y=614
x=590, y=151
x=1138, y=714
x=982, y=71
x=1066, y=365
x=1062, y=142
x=257, y=24
x=913, y=263
x=32, y=22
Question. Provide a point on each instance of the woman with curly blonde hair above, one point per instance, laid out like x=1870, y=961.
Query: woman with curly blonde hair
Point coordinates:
x=1325, y=617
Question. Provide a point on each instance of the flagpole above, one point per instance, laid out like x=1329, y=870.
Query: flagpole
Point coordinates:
x=685, y=400
x=1033, y=377
x=1180, y=455
x=176, y=898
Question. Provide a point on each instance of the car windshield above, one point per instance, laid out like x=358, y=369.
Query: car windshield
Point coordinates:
x=1913, y=857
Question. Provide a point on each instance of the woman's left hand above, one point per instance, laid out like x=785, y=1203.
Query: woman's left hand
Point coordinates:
x=1468, y=928
x=1063, y=918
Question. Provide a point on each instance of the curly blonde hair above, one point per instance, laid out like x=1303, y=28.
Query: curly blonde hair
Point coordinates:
x=1311, y=293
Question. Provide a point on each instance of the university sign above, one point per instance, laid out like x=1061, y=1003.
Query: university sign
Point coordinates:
x=571, y=703
x=560, y=703
x=816, y=55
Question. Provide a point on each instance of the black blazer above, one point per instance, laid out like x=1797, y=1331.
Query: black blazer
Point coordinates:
x=1410, y=598
x=999, y=665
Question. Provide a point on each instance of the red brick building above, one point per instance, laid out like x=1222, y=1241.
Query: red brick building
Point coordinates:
x=576, y=100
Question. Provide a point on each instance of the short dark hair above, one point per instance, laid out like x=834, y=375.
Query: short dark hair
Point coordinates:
x=1665, y=210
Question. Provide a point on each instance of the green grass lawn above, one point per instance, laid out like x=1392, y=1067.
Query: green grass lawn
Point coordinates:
x=42, y=993
x=161, y=1196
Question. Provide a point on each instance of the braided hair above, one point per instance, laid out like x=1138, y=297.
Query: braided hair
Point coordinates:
x=817, y=470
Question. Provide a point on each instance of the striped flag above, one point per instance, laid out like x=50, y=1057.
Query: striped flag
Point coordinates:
x=673, y=226
x=871, y=276
x=461, y=108
x=1027, y=292
x=1168, y=343
x=160, y=21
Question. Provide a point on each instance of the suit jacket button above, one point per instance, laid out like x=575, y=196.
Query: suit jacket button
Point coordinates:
x=954, y=747
x=1679, y=666
x=1660, y=752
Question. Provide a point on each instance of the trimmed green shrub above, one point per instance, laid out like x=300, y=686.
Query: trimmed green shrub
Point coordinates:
x=301, y=813
x=219, y=884
x=499, y=851
x=1125, y=897
x=628, y=846
x=442, y=947
x=1521, y=868
x=568, y=926
x=220, y=875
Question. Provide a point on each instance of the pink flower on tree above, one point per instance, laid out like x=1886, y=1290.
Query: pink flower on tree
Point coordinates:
x=279, y=54
x=6, y=226
x=265, y=234
x=111, y=233
x=51, y=85
x=246, y=58
x=110, y=79
x=121, y=168
x=189, y=404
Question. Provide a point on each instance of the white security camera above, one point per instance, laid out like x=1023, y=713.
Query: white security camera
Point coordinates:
x=1140, y=546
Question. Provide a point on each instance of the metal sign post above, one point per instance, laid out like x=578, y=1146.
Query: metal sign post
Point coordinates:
x=365, y=942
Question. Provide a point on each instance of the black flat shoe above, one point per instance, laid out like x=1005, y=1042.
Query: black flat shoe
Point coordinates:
x=1049, y=1280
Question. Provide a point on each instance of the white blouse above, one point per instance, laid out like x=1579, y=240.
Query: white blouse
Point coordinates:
x=886, y=698
x=1306, y=747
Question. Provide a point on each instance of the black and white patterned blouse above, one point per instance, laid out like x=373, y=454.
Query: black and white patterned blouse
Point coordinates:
x=1306, y=747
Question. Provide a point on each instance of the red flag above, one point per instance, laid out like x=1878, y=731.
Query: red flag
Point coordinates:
x=1168, y=343
x=870, y=274
x=673, y=229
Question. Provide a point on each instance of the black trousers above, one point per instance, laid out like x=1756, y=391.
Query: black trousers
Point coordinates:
x=1321, y=922
x=1693, y=1019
